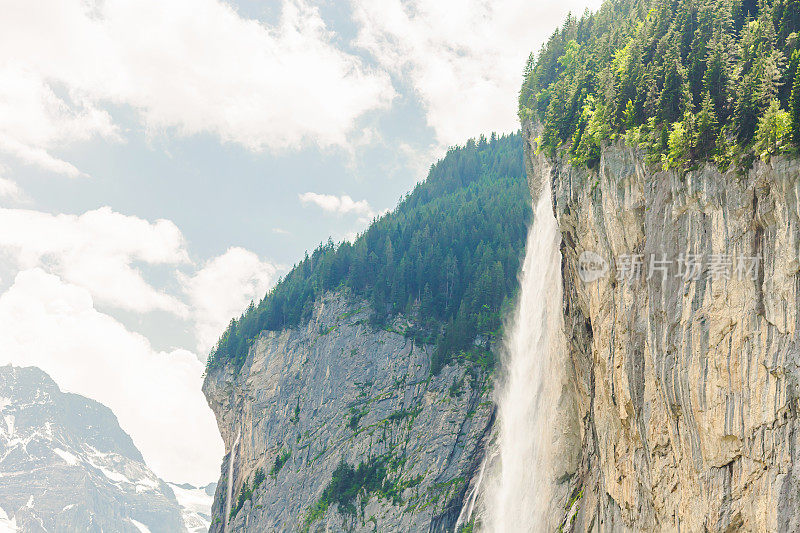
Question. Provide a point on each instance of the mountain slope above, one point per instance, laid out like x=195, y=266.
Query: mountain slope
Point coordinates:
x=66, y=465
x=446, y=258
x=356, y=395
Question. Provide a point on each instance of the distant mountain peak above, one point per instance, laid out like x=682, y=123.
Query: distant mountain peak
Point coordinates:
x=66, y=464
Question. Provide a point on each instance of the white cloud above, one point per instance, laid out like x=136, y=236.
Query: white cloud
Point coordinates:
x=337, y=204
x=9, y=189
x=463, y=58
x=97, y=250
x=187, y=66
x=156, y=396
x=38, y=157
x=222, y=289
x=36, y=120
x=102, y=251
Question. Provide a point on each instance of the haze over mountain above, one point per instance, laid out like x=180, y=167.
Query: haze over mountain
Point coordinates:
x=66, y=465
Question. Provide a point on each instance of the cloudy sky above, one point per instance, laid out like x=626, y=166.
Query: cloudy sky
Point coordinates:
x=162, y=163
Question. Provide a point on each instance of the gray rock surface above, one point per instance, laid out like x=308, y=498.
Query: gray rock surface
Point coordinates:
x=687, y=390
x=338, y=390
x=66, y=465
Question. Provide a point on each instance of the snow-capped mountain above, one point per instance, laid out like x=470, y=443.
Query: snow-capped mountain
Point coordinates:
x=196, y=504
x=66, y=465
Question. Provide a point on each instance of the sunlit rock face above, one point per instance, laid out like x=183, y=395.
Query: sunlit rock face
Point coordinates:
x=66, y=465
x=686, y=385
x=338, y=390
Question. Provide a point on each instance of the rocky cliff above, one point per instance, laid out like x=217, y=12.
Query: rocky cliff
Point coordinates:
x=684, y=370
x=66, y=465
x=338, y=426
x=680, y=407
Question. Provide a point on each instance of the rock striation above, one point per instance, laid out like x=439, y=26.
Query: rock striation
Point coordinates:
x=683, y=411
x=313, y=402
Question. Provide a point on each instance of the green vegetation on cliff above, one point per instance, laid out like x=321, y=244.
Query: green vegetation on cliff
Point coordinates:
x=247, y=491
x=447, y=258
x=347, y=485
x=687, y=80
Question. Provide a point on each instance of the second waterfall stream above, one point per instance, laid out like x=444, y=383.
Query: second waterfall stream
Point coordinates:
x=519, y=489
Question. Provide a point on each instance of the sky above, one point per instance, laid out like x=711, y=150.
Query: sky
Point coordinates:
x=163, y=163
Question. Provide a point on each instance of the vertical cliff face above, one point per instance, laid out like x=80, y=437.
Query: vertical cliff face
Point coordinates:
x=686, y=386
x=342, y=427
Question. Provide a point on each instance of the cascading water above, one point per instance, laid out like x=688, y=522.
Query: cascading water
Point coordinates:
x=229, y=493
x=519, y=490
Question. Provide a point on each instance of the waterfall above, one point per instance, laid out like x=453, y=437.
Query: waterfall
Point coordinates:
x=229, y=493
x=519, y=492
x=472, y=497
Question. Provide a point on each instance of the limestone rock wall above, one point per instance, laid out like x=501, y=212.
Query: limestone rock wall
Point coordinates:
x=687, y=389
x=338, y=390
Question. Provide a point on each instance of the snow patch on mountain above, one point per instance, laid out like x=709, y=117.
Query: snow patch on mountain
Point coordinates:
x=196, y=505
x=70, y=459
x=66, y=465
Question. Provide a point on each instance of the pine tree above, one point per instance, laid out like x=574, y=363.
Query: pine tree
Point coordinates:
x=794, y=107
x=717, y=78
x=702, y=31
x=769, y=68
x=747, y=107
x=630, y=115
x=679, y=144
x=672, y=99
x=707, y=128
x=790, y=21
x=722, y=148
x=426, y=305
x=773, y=129
x=526, y=91
x=787, y=79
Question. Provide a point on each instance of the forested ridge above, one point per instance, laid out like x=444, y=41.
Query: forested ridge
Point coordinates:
x=686, y=80
x=447, y=258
